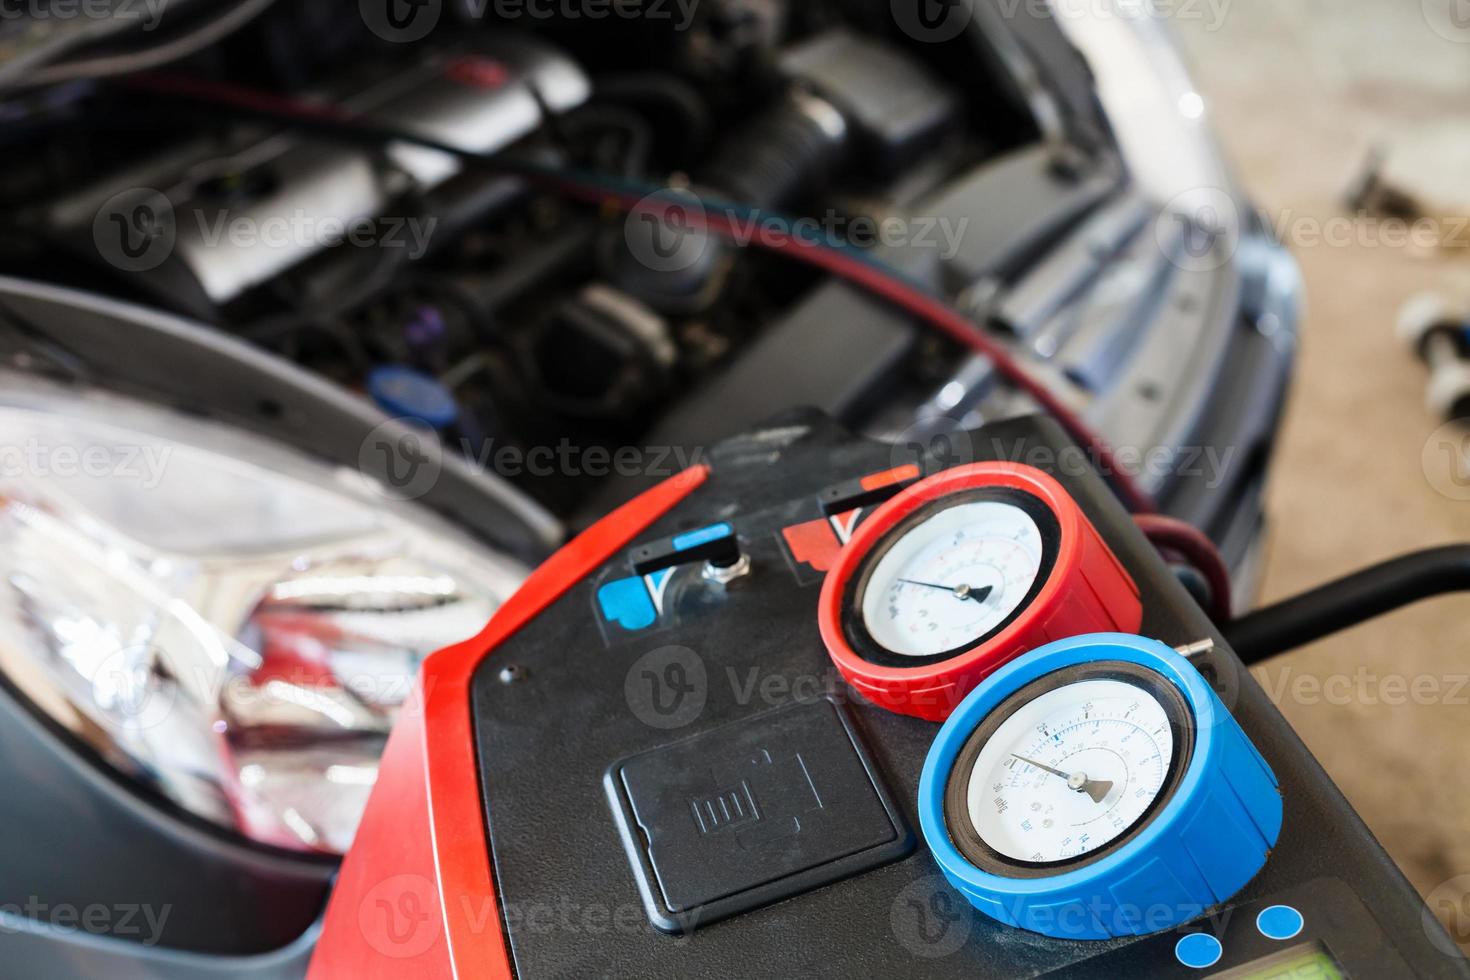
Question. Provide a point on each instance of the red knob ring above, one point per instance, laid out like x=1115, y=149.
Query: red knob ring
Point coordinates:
x=1086, y=590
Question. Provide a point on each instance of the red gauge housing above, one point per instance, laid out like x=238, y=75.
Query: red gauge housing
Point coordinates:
x=1082, y=589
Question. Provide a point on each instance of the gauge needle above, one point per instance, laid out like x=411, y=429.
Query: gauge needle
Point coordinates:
x=1078, y=781
x=958, y=591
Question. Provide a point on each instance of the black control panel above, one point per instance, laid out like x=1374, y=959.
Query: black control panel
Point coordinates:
x=677, y=782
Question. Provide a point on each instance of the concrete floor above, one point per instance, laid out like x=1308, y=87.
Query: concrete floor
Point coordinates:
x=1300, y=91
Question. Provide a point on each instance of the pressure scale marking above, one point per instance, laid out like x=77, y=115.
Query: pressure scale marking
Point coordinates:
x=1070, y=771
x=953, y=578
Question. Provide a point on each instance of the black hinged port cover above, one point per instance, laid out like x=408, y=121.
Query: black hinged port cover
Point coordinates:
x=752, y=812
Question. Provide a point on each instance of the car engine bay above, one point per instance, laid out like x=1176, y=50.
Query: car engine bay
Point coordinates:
x=537, y=335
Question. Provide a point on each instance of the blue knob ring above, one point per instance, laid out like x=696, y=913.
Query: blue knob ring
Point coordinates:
x=1197, y=851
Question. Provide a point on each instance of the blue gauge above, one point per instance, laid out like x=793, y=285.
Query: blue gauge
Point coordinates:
x=1096, y=787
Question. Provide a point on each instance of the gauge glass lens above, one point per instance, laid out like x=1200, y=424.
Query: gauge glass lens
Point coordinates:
x=953, y=578
x=1070, y=771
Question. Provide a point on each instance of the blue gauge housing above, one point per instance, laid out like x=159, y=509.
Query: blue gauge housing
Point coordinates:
x=1196, y=851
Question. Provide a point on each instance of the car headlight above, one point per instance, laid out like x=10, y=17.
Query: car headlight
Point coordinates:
x=227, y=621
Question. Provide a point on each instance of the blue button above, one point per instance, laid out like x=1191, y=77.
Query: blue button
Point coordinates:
x=627, y=603
x=1198, y=950
x=1279, y=922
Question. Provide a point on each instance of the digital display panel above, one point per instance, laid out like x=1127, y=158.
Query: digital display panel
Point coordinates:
x=1310, y=961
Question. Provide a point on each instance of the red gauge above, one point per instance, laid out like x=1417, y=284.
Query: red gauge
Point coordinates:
x=959, y=574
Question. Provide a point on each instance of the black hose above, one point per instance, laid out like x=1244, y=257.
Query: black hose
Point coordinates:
x=775, y=157
x=1349, y=601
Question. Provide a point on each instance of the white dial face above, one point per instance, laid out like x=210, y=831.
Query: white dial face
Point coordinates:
x=1070, y=771
x=952, y=578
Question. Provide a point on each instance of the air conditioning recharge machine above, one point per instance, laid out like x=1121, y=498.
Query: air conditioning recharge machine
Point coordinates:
x=819, y=709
